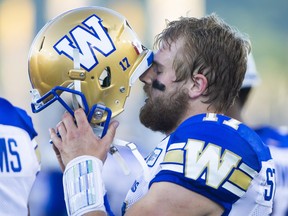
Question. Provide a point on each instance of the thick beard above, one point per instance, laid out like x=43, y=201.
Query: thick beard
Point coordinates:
x=164, y=113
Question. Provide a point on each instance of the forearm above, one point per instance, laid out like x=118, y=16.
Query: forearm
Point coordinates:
x=83, y=186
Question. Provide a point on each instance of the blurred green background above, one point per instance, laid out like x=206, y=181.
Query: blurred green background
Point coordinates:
x=266, y=22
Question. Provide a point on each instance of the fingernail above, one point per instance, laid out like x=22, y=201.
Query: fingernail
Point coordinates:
x=58, y=124
x=116, y=124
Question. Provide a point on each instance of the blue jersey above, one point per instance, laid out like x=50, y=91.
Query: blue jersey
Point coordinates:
x=277, y=140
x=19, y=161
x=217, y=157
x=16, y=117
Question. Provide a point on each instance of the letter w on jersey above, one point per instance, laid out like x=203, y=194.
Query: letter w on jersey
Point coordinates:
x=198, y=159
x=209, y=164
x=94, y=36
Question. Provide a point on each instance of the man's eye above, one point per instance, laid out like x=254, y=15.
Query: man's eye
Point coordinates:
x=156, y=69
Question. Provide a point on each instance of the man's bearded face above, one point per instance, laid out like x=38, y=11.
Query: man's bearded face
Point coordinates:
x=163, y=112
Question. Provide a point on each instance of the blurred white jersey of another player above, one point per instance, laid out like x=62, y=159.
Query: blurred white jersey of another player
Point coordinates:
x=19, y=161
x=277, y=140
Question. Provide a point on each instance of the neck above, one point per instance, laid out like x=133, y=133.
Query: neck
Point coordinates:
x=195, y=109
x=235, y=112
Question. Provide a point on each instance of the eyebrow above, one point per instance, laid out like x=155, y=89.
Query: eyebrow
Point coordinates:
x=159, y=65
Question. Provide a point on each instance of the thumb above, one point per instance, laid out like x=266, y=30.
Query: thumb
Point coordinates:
x=109, y=136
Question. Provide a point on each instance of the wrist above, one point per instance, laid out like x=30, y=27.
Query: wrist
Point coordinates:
x=83, y=185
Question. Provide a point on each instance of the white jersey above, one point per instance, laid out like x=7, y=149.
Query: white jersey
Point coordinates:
x=217, y=157
x=141, y=185
x=281, y=195
x=277, y=140
x=19, y=163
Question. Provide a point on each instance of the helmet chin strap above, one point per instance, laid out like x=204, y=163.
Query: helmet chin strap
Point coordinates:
x=77, y=83
x=136, y=154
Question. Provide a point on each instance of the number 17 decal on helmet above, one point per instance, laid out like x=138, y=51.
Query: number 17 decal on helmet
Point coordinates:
x=91, y=53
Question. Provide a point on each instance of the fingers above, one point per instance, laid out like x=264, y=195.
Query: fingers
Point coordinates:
x=58, y=156
x=108, y=138
x=79, y=139
x=56, y=140
x=68, y=121
x=81, y=118
x=56, y=143
x=67, y=125
x=56, y=150
x=61, y=128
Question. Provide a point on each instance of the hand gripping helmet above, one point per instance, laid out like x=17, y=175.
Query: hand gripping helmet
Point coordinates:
x=91, y=53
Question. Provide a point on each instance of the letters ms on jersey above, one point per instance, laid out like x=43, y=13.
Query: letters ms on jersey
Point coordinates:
x=9, y=156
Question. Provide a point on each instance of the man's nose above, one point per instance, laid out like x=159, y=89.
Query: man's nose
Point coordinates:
x=148, y=76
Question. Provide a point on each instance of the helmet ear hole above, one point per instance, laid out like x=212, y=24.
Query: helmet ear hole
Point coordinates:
x=105, y=78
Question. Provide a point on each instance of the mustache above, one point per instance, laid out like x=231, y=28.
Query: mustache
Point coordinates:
x=159, y=86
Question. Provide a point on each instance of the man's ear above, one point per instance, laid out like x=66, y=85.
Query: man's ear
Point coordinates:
x=199, y=86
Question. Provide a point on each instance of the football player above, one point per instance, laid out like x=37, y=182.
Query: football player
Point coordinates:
x=19, y=161
x=275, y=138
x=208, y=164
